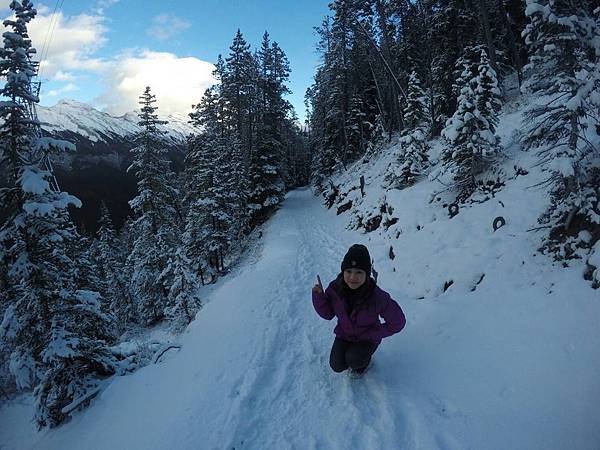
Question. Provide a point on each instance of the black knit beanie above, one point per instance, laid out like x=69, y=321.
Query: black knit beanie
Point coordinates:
x=357, y=257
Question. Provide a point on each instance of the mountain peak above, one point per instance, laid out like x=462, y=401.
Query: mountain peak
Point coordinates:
x=73, y=103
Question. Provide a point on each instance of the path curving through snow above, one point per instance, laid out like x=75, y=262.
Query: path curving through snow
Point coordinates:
x=253, y=371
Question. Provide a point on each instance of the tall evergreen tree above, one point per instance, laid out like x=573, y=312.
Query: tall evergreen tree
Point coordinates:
x=414, y=138
x=415, y=111
x=238, y=89
x=154, y=206
x=267, y=160
x=209, y=117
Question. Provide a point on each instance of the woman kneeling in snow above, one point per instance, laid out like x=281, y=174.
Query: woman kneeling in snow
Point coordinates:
x=358, y=302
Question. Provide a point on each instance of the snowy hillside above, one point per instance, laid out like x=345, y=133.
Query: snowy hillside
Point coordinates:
x=498, y=351
x=84, y=120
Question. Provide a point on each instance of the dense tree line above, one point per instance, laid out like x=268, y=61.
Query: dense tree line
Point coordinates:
x=66, y=300
x=424, y=68
x=247, y=153
x=369, y=51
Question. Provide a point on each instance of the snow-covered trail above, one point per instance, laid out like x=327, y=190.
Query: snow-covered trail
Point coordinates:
x=511, y=364
x=253, y=371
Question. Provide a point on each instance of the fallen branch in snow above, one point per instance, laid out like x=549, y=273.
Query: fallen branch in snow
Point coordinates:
x=538, y=228
x=435, y=194
x=166, y=349
x=77, y=402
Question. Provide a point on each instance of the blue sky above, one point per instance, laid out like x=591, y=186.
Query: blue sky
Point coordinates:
x=104, y=51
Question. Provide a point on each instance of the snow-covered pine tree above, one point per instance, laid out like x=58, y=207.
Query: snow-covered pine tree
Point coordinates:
x=267, y=187
x=86, y=271
x=76, y=358
x=200, y=163
x=238, y=89
x=413, y=146
x=239, y=191
x=488, y=92
x=562, y=38
x=466, y=69
x=267, y=159
x=155, y=226
x=225, y=212
x=454, y=28
x=221, y=213
x=183, y=302
x=298, y=156
x=233, y=193
x=111, y=259
x=15, y=132
x=415, y=111
x=358, y=128
x=56, y=332
x=472, y=144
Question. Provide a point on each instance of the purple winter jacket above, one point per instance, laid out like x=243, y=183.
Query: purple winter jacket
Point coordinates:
x=363, y=323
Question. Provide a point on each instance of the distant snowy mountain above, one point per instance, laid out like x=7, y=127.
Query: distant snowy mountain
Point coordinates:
x=86, y=121
x=97, y=170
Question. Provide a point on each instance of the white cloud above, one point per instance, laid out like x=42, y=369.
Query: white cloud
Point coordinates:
x=63, y=90
x=64, y=76
x=177, y=82
x=64, y=43
x=102, y=5
x=165, y=26
x=73, y=42
x=72, y=57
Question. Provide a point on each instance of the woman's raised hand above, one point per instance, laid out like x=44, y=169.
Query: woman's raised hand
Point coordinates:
x=318, y=287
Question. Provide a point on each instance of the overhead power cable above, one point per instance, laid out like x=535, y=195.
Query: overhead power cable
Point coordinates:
x=49, y=33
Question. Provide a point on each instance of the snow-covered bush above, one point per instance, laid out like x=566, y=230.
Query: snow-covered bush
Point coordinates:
x=411, y=156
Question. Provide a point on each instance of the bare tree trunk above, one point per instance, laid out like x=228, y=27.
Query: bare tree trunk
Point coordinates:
x=512, y=42
x=484, y=19
x=378, y=89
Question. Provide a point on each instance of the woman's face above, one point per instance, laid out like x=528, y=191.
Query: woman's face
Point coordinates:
x=355, y=278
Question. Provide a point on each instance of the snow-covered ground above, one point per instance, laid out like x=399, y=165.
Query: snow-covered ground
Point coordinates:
x=510, y=365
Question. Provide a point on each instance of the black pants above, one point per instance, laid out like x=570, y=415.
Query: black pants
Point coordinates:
x=355, y=355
